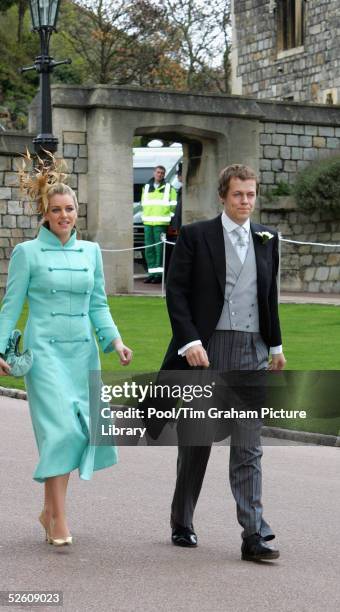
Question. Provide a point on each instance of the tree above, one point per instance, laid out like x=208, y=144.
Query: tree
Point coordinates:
x=203, y=35
x=16, y=90
x=162, y=44
x=121, y=41
x=95, y=30
x=22, y=6
x=5, y=5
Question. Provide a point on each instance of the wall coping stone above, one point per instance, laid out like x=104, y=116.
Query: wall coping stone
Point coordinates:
x=218, y=105
x=13, y=143
x=279, y=203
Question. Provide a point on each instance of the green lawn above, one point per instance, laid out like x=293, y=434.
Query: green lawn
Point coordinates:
x=311, y=336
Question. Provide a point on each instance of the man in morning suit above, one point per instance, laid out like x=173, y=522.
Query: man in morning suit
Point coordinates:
x=223, y=307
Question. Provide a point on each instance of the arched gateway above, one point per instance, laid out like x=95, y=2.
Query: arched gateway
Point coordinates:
x=214, y=130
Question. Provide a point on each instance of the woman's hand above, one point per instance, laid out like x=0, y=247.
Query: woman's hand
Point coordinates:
x=125, y=354
x=4, y=368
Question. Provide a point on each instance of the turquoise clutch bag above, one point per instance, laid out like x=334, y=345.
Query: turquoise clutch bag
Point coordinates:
x=20, y=363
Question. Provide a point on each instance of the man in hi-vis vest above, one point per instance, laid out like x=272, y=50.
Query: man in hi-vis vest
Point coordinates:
x=158, y=206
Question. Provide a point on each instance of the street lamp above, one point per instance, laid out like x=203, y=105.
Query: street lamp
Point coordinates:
x=44, y=14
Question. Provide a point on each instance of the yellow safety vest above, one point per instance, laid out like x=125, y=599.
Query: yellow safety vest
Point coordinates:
x=158, y=206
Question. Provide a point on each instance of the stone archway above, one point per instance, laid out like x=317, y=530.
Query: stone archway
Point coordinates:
x=215, y=131
x=199, y=162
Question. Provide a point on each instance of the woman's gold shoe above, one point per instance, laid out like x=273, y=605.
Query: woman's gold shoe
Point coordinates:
x=58, y=541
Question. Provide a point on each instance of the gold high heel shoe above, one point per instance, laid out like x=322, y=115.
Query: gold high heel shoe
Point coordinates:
x=58, y=541
x=41, y=521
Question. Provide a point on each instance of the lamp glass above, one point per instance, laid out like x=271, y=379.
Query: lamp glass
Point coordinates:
x=44, y=13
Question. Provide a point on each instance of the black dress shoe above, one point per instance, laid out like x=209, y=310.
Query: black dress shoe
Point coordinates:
x=255, y=548
x=147, y=280
x=156, y=280
x=183, y=536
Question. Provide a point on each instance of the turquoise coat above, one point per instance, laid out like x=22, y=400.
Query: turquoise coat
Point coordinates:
x=64, y=285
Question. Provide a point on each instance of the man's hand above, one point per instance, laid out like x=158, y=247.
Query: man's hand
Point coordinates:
x=4, y=368
x=278, y=362
x=125, y=354
x=197, y=356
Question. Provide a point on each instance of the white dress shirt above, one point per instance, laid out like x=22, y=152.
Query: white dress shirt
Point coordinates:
x=241, y=251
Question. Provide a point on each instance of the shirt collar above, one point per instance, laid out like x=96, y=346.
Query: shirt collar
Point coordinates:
x=45, y=235
x=230, y=225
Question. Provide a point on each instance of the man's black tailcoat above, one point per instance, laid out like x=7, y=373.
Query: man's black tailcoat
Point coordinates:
x=196, y=282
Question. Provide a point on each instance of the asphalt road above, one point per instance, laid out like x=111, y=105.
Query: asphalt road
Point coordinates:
x=122, y=559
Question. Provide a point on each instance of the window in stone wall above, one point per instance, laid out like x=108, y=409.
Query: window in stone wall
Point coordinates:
x=291, y=17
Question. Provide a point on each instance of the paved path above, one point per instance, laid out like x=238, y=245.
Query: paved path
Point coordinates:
x=122, y=560
x=287, y=297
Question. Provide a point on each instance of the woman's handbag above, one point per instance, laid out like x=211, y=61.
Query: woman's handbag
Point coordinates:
x=20, y=363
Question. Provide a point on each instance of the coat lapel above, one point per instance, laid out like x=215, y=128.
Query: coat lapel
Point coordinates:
x=261, y=258
x=215, y=240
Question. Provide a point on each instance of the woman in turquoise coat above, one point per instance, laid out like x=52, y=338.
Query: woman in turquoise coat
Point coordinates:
x=63, y=280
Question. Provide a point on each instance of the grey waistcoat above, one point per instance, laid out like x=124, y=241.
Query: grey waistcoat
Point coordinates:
x=240, y=310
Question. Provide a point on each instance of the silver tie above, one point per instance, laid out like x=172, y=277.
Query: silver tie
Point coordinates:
x=241, y=238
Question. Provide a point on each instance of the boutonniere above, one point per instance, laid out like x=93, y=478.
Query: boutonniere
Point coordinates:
x=264, y=236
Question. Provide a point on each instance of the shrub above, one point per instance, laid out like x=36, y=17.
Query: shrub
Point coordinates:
x=282, y=188
x=317, y=187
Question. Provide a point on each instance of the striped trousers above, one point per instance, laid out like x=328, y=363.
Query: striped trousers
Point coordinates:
x=227, y=351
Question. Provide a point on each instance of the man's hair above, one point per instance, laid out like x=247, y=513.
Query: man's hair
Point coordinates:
x=235, y=171
x=160, y=167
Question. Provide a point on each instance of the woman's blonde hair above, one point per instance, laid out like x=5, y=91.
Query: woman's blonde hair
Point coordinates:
x=62, y=189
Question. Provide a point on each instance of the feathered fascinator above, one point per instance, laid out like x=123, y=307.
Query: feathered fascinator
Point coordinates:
x=35, y=183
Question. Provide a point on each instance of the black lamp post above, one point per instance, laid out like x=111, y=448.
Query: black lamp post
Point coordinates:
x=44, y=14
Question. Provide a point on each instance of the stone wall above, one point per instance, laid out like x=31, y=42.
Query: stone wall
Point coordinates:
x=74, y=151
x=305, y=267
x=304, y=73
x=286, y=148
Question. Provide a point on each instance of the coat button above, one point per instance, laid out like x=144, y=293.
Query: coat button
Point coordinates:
x=101, y=338
x=85, y=269
x=53, y=291
x=50, y=269
x=97, y=329
x=87, y=340
x=83, y=314
x=53, y=314
x=52, y=341
x=86, y=292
